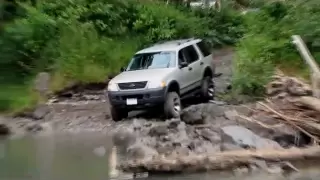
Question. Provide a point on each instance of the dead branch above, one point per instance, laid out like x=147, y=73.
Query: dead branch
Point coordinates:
x=288, y=119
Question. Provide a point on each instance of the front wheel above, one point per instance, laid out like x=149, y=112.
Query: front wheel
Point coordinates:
x=172, y=105
x=207, y=89
x=118, y=114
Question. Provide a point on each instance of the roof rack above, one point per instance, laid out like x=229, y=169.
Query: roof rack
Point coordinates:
x=179, y=41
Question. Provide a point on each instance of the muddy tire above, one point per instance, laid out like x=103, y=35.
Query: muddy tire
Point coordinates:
x=118, y=114
x=172, y=105
x=207, y=89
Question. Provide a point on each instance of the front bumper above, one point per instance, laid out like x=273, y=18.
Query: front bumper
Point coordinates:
x=146, y=98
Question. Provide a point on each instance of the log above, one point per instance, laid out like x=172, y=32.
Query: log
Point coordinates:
x=309, y=59
x=310, y=102
x=218, y=161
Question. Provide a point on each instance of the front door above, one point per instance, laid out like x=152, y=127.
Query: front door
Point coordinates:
x=191, y=74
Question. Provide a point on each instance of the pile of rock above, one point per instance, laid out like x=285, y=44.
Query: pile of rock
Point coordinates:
x=284, y=87
x=185, y=144
x=290, y=102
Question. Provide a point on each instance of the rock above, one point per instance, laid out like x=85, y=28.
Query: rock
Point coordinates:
x=218, y=102
x=42, y=82
x=192, y=115
x=260, y=164
x=140, y=151
x=287, y=137
x=241, y=170
x=231, y=115
x=160, y=130
x=34, y=127
x=245, y=138
x=123, y=137
x=172, y=124
x=297, y=87
x=165, y=149
x=229, y=147
x=288, y=167
x=4, y=130
x=181, y=152
x=198, y=114
x=274, y=169
x=209, y=135
x=40, y=112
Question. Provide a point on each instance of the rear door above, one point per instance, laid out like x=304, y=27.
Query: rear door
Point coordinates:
x=206, y=55
x=192, y=57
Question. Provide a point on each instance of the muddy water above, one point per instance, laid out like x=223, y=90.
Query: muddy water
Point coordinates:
x=91, y=157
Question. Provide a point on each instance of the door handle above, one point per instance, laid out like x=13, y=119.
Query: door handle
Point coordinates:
x=190, y=68
x=201, y=63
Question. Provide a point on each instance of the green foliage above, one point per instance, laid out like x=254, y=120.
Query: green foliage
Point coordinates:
x=221, y=28
x=84, y=41
x=267, y=43
x=22, y=42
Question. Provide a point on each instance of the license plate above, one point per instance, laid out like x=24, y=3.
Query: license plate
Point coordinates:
x=132, y=101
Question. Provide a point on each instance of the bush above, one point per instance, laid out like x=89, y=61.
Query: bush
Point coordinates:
x=83, y=56
x=22, y=43
x=221, y=28
x=267, y=43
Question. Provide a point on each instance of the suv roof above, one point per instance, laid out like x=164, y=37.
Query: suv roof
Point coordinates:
x=169, y=45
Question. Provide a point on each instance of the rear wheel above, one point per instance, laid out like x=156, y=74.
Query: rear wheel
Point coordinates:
x=118, y=114
x=207, y=89
x=172, y=105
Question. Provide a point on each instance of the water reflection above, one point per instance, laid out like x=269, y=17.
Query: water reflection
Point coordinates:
x=84, y=157
x=55, y=157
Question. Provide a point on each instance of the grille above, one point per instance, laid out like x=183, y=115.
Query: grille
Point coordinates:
x=132, y=85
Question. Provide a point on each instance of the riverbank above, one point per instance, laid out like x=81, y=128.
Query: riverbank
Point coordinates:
x=214, y=127
x=86, y=108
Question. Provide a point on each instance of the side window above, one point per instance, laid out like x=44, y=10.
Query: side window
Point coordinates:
x=204, y=48
x=180, y=56
x=190, y=54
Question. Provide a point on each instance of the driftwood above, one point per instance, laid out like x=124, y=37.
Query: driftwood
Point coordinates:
x=310, y=102
x=219, y=161
x=310, y=61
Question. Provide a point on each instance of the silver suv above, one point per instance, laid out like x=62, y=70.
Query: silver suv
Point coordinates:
x=160, y=76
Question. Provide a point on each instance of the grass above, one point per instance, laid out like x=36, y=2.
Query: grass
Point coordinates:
x=17, y=98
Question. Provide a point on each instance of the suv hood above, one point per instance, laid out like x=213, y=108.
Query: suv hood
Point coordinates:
x=142, y=75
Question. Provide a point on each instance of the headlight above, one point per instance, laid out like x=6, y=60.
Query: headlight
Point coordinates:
x=156, y=84
x=112, y=87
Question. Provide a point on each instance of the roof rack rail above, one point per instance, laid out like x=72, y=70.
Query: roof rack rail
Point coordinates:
x=178, y=41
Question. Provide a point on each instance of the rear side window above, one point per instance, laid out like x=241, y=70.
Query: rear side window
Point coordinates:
x=204, y=48
x=190, y=53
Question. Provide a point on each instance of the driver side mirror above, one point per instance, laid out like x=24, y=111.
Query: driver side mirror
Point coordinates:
x=122, y=69
x=183, y=64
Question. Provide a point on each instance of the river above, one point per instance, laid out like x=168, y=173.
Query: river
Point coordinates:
x=91, y=156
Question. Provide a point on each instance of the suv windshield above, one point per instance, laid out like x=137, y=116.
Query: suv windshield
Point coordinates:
x=154, y=60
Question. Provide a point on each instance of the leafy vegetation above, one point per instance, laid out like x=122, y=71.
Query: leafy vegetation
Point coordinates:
x=267, y=43
x=84, y=41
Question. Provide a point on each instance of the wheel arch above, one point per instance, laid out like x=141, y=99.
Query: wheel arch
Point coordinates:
x=207, y=72
x=173, y=86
